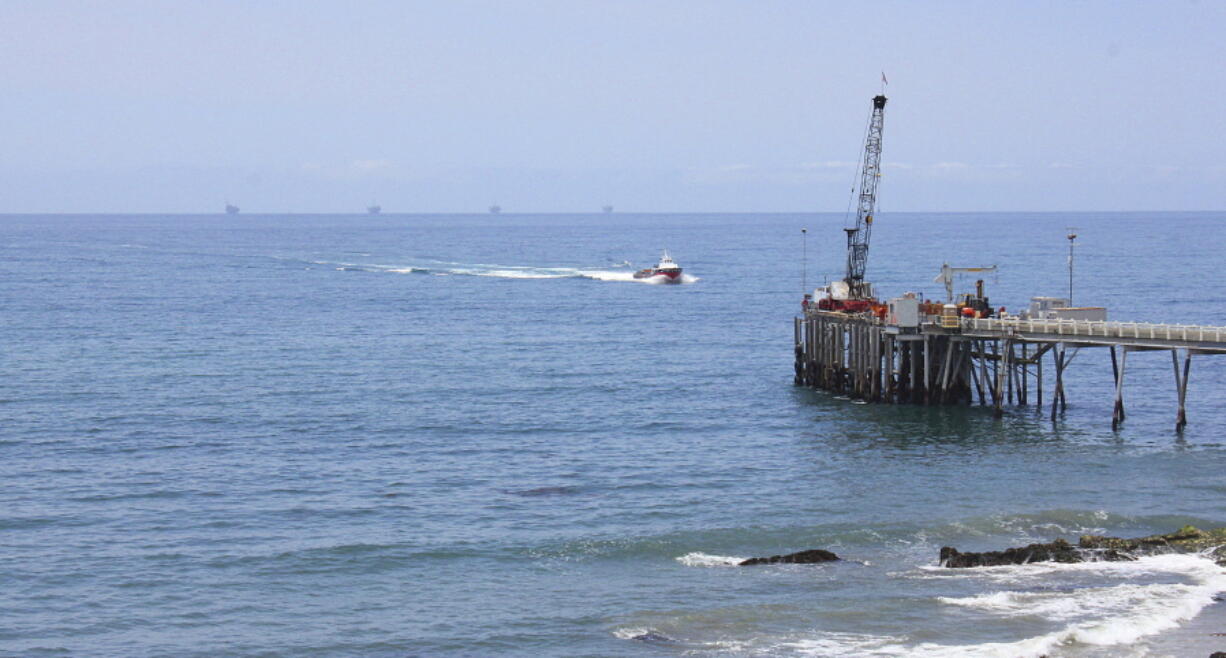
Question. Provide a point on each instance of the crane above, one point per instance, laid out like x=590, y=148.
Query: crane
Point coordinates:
x=857, y=237
x=947, y=277
x=856, y=294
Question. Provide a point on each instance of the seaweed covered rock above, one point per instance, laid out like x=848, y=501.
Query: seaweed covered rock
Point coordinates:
x=812, y=556
x=1096, y=548
x=1188, y=539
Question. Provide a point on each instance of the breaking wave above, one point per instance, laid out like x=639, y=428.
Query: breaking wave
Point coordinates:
x=1112, y=615
x=705, y=560
x=1086, y=607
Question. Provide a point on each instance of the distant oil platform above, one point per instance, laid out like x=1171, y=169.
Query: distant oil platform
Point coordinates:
x=495, y=209
x=374, y=209
x=607, y=209
x=231, y=209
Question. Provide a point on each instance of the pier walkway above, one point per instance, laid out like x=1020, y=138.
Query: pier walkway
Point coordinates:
x=1137, y=335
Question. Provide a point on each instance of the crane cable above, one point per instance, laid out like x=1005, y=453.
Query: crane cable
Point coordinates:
x=857, y=172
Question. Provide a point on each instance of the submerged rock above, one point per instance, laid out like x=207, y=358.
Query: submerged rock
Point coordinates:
x=652, y=637
x=811, y=556
x=1095, y=548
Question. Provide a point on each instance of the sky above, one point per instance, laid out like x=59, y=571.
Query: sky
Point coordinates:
x=647, y=105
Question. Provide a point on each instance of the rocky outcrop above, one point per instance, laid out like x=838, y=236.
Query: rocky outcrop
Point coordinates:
x=812, y=556
x=1095, y=548
x=1188, y=539
x=1057, y=551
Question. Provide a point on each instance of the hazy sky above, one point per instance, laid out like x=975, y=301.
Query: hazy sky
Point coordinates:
x=668, y=105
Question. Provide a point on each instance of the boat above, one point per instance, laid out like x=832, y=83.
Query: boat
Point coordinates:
x=231, y=209
x=374, y=210
x=495, y=209
x=667, y=270
x=607, y=209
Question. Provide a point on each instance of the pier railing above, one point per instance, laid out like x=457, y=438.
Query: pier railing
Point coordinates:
x=1099, y=329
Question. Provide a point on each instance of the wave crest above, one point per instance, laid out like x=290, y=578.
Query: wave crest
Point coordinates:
x=698, y=559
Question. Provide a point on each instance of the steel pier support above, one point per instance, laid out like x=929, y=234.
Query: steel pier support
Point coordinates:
x=1181, y=386
x=1117, y=415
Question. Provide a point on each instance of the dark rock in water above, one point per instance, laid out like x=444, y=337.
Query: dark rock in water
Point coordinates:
x=1094, y=548
x=1057, y=551
x=653, y=637
x=1218, y=654
x=812, y=556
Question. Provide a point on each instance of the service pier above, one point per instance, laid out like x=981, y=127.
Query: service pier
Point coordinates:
x=911, y=355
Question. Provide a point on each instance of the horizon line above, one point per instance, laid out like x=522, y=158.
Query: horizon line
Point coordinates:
x=504, y=213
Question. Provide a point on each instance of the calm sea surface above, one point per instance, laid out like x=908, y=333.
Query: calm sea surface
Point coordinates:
x=477, y=435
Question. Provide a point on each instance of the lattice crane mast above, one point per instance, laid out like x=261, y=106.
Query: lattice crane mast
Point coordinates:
x=857, y=237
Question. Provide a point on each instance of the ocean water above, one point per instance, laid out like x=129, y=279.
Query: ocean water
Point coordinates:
x=477, y=435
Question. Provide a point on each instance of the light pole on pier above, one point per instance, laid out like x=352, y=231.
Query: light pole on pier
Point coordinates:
x=1072, y=238
x=804, y=259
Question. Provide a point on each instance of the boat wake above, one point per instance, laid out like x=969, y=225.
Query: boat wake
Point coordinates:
x=616, y=273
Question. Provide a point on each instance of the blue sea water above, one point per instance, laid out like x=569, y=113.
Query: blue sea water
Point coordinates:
x=478, y=435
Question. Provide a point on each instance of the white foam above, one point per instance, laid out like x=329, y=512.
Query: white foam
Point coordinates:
x=1077, y=604
x=627, y=276
x=444, y=268
x=1192, y=565
x=1102, y=616
x=630, y=633
x=516, y=273
x=1114, y=616
x=608, y=275
x=705, y=560
x=844, y=644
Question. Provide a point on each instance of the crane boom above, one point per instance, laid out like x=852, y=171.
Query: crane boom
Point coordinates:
x=857, y=238
x=947, y=277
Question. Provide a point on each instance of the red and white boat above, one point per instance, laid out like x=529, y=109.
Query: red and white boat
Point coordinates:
x=666, y=269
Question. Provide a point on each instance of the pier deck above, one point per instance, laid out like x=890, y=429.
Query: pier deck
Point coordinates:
x=1137, y=335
